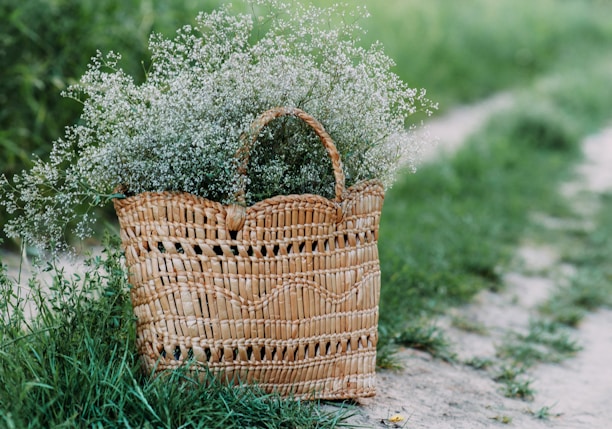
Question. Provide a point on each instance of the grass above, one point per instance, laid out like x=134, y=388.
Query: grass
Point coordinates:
x=544, y=413
x=587, y=291
x=520, y=389
x=466, y=324
x=591, y=286
x=479, y=363
x=424, y=336
x=46, y=45
x=544, y=342
x=514, y=383
x=447, y=231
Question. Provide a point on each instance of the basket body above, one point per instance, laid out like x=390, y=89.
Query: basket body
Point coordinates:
x=289, y=301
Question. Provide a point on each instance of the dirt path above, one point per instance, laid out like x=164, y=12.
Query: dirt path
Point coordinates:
x=581, y=387
x=430, y=393
x=451, y=130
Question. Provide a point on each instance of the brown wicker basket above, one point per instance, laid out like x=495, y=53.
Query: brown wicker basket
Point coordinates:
x=283, y=293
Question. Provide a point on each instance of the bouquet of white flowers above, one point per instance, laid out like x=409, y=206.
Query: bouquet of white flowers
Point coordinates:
x=247, y=174
x=180, y=129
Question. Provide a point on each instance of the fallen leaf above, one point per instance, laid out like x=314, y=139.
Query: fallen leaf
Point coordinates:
x=396, y=418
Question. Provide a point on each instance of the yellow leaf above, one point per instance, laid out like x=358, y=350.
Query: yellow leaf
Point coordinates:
x=396, y=418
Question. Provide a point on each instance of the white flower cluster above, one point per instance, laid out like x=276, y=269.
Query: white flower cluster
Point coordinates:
x=180, y=129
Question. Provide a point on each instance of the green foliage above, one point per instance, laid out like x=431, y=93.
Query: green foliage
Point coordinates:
x=520, y=389
x=46, y=45
x=479, y=362
x=587, y=291
x=448, y=230
x=457, y=53
x=465, y=50
x=544, y=413
x=386, y=349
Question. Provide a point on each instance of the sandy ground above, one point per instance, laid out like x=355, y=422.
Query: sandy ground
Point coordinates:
x=430, y=393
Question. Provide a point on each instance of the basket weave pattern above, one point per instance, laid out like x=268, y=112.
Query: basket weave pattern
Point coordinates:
x=284, y=293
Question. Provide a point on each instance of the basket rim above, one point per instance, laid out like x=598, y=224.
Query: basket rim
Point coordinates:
x=122, y=200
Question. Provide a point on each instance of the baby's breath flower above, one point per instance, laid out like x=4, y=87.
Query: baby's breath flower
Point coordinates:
x=180, y=129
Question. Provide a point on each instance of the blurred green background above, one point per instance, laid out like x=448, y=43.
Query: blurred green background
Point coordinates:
x=46, y=45
x=459, y=50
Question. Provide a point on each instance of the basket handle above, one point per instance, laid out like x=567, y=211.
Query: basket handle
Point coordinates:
x=247, y=141
x=236, y=213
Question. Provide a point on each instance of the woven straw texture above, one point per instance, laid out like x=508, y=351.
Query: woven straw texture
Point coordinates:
x=283, y=293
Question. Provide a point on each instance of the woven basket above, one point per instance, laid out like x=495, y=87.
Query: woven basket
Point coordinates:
x=283, y=293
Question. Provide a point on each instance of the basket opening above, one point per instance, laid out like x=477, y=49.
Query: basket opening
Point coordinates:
x=275, y=250
x=274, y=353
x=278, y=353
